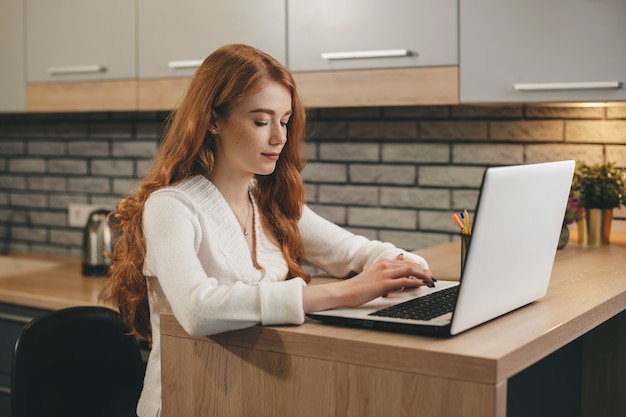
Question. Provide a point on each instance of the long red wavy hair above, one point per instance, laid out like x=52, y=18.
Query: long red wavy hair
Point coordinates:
x=223, y=80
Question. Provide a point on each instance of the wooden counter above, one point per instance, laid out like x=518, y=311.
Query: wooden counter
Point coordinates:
x=59, y=286
x=322, y=370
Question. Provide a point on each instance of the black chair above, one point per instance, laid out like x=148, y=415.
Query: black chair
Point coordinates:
x=76, y=362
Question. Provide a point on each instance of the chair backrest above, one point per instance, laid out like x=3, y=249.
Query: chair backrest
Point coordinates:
x=78, y=361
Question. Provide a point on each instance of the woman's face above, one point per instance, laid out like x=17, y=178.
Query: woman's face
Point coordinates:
x=250, y=138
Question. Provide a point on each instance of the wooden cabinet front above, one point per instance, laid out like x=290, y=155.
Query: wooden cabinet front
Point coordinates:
x=174, y=37
x=356, y=34
x=538, y=51
x=79, y=40
x=80, y=55
x=12, y=83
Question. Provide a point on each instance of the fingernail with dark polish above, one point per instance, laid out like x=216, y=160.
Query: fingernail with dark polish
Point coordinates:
x=428, y=283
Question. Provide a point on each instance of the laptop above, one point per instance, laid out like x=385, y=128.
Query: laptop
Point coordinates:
x=515, y=233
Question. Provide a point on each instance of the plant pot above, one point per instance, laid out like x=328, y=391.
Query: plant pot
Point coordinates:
x=599, y=226
x=583, y=232
x=564, y=237
x=607, y=219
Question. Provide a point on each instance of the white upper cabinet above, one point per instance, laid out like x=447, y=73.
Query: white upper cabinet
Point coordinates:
x=175, y=36
x=542, y=51
x=79, y=40
x=12, y=84
x=355, y=34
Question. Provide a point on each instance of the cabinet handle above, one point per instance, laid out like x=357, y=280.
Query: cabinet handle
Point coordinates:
x=78, y=69
x=5, y=390
x=385, y=53
x=189, y=63
x=604, y=85
x=15, y=318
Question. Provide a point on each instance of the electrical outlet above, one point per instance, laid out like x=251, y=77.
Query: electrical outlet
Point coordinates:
x=79, y=213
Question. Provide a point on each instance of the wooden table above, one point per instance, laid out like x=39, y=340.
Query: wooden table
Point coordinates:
x=321, y=370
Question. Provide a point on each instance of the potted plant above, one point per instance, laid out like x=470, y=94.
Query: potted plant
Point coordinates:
x=600, y=188
x=574, y=213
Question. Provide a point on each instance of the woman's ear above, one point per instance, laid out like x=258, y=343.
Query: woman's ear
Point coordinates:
x=213, y=124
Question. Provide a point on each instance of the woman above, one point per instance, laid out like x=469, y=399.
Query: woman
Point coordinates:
x=218, y=230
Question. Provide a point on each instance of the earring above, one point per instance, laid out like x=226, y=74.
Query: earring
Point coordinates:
x=214, y=131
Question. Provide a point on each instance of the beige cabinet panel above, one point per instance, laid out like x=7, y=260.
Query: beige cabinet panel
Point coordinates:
x=12, y=83
x=355, y=34
x=80, y=40
x=538, y=51
x=174, y=37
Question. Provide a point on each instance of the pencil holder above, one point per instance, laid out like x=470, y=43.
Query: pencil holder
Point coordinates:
x=465, y=242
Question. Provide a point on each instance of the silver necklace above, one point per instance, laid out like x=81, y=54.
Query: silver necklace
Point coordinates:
x=243, y=225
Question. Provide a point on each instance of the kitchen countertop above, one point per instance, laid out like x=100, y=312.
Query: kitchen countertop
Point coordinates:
x=52, y=283
x=55, y=282
x=48, y=282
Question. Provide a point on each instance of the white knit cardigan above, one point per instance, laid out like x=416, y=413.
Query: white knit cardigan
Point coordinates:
x=199, y=267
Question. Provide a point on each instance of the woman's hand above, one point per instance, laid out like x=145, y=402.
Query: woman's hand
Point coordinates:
x=379, y=279
x=385, y=276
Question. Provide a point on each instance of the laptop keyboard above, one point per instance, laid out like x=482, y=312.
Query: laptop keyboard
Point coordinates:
x=423, y=308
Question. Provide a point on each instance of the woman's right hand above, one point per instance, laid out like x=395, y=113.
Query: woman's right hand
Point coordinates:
x=377, y=280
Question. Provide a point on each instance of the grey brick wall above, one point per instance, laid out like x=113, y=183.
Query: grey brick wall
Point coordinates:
x=389, y=173
x=396, y=173
x=48, y=161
